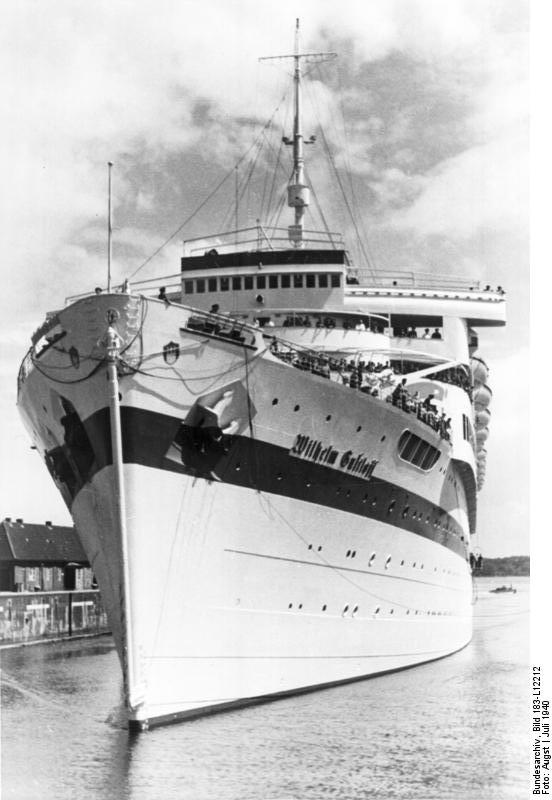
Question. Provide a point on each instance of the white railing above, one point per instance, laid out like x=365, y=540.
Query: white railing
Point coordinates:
x=259, y=238
x=409, y=279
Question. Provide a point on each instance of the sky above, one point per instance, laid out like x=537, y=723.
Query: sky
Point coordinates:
x=427, y=115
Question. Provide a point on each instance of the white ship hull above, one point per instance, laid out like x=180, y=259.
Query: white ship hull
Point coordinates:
x=252, y=571
x=229, y=603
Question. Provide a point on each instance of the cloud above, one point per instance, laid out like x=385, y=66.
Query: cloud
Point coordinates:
x=483, y=187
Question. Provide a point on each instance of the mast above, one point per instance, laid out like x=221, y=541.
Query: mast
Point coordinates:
x=109, y=226
x=298, y=191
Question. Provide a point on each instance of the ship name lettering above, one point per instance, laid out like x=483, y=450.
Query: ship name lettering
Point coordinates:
x=313, y=450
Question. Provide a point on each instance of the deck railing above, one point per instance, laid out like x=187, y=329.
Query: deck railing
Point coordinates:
x=410, y=279
x=259, y=238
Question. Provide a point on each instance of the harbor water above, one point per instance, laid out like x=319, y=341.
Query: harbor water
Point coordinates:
x=456, y=728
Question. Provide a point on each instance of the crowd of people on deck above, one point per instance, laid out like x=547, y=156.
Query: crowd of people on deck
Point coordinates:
x=321, y=321
x=425, y=410
x=370, y=377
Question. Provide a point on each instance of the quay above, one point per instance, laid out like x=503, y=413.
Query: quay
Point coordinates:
x=29, y=618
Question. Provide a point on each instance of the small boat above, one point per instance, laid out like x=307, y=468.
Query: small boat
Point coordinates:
x=502, y=589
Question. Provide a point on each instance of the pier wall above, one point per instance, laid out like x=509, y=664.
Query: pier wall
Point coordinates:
x=39, y=616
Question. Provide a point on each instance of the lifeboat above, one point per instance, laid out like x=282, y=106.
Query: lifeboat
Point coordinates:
x=482, y=417
x=482, y=435
x=481, y=397
x=479, y=370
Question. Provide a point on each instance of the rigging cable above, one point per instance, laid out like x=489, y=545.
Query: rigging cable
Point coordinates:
x=212, y=193
x=352, y=217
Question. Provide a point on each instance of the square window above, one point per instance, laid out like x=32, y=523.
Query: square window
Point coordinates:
x=310, y=281
x=224, y=284
x=248, y=282
x=272, y=281
x=323, y=281
x=212, y=283
x=336, y=280
x=286, y=281
x=297, y=281
x=188, y=287
x=236, y=283
x=261, y=281
x=200, y=285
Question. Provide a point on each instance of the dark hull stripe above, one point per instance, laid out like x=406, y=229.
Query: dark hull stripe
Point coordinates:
x=138, y=726
x=148, y=438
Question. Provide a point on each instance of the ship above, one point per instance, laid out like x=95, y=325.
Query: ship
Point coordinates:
x=272, y=460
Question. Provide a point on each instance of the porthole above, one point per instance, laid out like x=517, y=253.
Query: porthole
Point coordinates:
x=310, y=547
x=414, y=564
x=345, y=609
x=355, y=609
x=391, y=610
x=365, y=498
x=296, y=408
x=391, y=506
x=372, y=557
x=275, y=401
x=359, y=428
x=353, y=554
x=300, y=605
x=408, y=611
x=377, y=610
x=382, y=438
x=324, y=607
x=387, y=561
x=290, y=605
x=405, y=512
x=347, y=554
x=319, y=547
x=328, y=418
x=238, y=467
x=402, y=563
x=374, y=502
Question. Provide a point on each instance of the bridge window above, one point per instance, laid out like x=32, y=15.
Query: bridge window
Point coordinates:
x=236, y=283
x=248, y=282
x=212, y=284
x=188, y=287
x=286, y=281
x=297, y=281
x=323, y=281
x=310, y=281
x=272, y=281
x=417, y=451
x=200, y=286
x=261, y=281
x=224, y=284
x=335, y=280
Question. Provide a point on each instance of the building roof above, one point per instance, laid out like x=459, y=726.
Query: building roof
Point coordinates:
x=28, y=543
